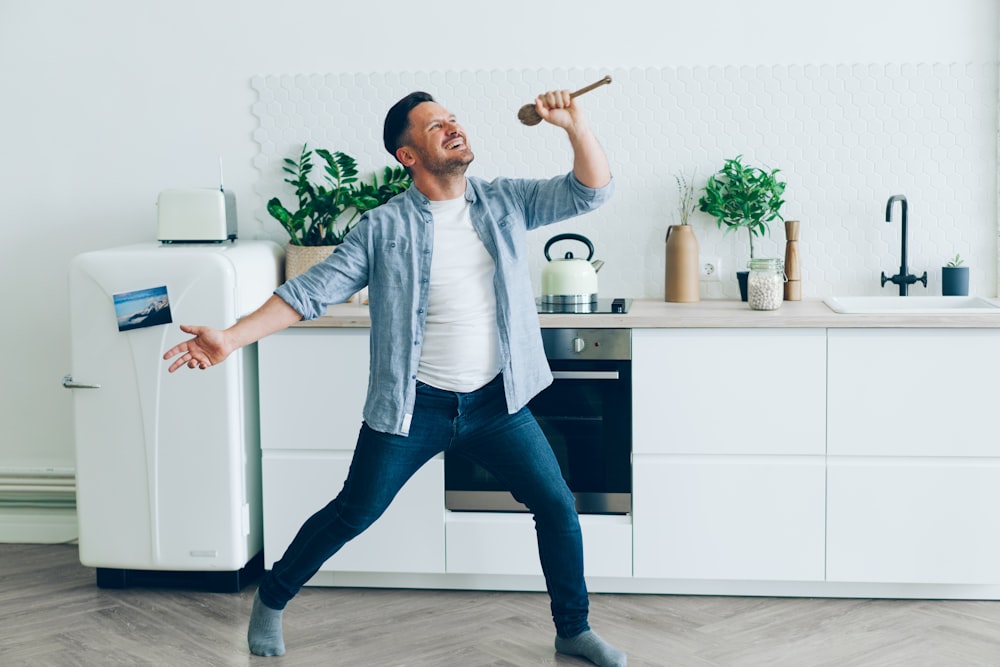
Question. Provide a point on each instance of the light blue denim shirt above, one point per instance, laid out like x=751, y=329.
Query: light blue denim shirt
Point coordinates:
x=390, y=252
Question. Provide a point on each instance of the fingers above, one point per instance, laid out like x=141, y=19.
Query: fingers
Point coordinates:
x=188, y=353
x=555, y=99
x=175, y=350
x=190, y=360
x=556, y=107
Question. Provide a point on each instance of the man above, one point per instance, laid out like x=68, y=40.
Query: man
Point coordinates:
x=456, y=352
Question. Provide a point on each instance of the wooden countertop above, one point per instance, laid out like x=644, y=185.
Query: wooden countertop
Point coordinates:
x=710, y=313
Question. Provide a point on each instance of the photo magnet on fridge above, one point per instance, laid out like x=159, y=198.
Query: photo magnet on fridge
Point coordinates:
x=142, y=308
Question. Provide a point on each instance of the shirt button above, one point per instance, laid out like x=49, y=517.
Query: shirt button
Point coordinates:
x=416, y=342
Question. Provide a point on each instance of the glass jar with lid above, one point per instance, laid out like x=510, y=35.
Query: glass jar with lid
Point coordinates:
x=766, y=283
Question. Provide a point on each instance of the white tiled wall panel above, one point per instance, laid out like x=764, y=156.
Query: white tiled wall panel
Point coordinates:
x=846, y=137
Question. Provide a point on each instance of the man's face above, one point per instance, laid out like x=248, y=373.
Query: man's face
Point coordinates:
x=437, y=141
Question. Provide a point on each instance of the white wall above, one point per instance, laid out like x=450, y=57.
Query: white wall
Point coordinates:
x=107, y=102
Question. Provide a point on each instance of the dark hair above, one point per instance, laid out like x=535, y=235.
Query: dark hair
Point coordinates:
x=397, y=121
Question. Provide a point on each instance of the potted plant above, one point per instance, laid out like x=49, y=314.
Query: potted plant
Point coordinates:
x=681, y=278
x=955, y=278
x=740, y=196
x=328, y=211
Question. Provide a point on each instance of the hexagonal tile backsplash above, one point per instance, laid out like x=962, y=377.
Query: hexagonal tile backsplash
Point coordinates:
x=846, y=137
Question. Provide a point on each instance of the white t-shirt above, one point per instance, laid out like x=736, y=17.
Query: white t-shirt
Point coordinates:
x=461, y=350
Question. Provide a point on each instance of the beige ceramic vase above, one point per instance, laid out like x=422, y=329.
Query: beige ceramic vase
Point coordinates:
x=681, y=283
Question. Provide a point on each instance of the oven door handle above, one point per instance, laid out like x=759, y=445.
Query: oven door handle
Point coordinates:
x=585, y=375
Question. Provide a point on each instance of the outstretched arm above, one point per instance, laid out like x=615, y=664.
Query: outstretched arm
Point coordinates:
x=590, y=164
x=211, y=346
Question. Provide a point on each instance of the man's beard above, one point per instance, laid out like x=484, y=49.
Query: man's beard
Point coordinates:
x=448, y=166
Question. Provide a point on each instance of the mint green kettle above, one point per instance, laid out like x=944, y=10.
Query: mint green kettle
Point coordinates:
x=568, y=279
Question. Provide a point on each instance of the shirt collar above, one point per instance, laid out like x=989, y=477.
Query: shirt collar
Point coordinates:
x=419, y=197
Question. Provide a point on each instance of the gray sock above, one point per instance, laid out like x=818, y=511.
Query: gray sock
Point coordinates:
x=264, y=632
x=590, y=646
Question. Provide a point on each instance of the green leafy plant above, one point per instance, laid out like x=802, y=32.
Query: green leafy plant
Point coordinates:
x=955, y=262
x=686, y=204
x=741, y=196
x=320, y=217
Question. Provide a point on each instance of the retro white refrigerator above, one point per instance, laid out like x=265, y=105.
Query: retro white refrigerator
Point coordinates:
x=167, y=465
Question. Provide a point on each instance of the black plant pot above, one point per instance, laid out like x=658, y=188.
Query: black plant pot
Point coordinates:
x=955, y=280
x=741, y=278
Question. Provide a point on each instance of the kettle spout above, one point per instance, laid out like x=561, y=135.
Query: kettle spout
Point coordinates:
x=597, y=264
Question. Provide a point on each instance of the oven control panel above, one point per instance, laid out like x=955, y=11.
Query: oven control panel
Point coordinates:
x=578, y=343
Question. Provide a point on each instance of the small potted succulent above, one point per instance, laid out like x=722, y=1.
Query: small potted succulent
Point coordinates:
x=740, y=196
x=955, y=278
x=328, y=211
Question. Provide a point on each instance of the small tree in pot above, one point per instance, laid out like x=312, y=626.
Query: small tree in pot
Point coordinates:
x=740, y=196
x=328, y=211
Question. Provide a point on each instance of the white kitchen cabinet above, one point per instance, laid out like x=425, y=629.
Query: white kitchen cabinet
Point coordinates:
x=729, y=391
x=729, y=517
x=914, y=520
x=786, y=460
x=913, y=392
x=914, y=465
x=409, y=537
x=312, y=389
x=505, y=543
x=728, y=472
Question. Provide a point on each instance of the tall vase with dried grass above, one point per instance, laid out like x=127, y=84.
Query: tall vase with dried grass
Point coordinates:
x=327, y=211
x=680, y=280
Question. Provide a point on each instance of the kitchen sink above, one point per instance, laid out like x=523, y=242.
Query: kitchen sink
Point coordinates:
x=915, y=305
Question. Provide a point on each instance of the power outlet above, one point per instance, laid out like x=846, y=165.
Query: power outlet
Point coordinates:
x=710, y=269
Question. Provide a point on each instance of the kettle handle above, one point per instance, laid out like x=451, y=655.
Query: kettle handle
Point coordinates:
x=570, y=237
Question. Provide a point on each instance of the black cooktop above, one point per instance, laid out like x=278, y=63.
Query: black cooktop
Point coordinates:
x=619, y=305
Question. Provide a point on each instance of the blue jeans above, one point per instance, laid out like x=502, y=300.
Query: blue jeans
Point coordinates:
x=476, y=424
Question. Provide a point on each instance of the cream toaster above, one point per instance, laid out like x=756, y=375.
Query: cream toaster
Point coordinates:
x=196, y=215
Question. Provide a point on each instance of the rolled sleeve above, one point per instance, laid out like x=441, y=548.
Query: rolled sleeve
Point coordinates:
x=333, y=280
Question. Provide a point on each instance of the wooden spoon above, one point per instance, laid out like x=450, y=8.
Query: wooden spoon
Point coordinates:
x=529, y=116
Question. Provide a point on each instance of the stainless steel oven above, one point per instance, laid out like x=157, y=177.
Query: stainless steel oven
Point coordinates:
x=586, y=414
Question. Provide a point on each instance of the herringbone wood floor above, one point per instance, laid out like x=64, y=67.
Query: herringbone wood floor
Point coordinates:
x=51, y=613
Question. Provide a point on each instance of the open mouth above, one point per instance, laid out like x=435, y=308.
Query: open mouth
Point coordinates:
x=454, y=144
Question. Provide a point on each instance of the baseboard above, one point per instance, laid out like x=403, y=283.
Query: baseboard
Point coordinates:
x=38, y=525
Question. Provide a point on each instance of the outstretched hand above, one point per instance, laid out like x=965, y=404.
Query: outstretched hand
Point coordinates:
x=207, y=348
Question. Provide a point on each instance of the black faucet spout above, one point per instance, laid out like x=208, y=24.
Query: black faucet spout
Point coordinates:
x=904, y=279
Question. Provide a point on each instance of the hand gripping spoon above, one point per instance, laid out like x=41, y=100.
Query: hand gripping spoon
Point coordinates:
x=529, y=116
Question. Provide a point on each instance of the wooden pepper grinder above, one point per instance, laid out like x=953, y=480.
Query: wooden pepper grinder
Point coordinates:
x=793, y=270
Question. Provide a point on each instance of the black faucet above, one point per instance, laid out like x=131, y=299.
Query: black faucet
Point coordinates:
x=903, y=279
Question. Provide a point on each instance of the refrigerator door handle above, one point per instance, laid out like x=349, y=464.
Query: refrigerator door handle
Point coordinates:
x=70, y=383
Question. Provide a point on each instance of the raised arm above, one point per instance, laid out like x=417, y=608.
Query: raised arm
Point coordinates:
x=211, y=346
x=590, y=164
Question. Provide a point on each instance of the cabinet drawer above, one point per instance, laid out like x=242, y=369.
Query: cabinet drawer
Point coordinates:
x=409, y=537
x=914, y=520
x=312, y=388
x=913, y=392
x=723, y=517
x=729, y=391
x=485, y=543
